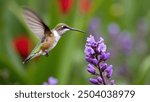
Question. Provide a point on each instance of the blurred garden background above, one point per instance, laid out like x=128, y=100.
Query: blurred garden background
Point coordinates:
x=124, y=25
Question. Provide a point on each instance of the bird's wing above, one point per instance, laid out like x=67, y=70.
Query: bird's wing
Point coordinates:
x=35, y=23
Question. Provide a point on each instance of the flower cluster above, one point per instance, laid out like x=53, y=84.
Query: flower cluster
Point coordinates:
x=96, y=56
x=51, y=81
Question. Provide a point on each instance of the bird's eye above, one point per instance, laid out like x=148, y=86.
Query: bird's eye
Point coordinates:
x=63, y=27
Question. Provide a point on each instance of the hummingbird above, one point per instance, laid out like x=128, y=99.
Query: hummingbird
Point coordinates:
x=48, y=38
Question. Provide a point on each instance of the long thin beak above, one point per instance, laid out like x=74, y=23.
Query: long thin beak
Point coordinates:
x=73, y=29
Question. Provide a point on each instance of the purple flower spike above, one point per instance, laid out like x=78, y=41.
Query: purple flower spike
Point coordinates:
x=91, y=69
x=94, y=81
x=51, y=81
x=96, y=56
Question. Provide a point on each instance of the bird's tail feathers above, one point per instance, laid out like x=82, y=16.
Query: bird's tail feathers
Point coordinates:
x=27, y=59
x=31, y=56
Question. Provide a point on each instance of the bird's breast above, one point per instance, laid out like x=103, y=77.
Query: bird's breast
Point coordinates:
x=47, y=43
x=50, y=42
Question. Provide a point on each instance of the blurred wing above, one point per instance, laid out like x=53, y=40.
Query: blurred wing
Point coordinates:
x=35, y=23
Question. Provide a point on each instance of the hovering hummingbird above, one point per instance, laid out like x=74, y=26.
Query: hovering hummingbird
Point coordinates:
x=48, y=38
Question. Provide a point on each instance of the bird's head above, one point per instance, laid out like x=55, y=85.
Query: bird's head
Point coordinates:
x=61, y=28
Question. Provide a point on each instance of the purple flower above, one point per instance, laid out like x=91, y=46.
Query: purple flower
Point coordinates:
x=114, y=29
x=91, y=69
x=109, y=71
x=126, y=42
x=101, y=47
x=91, y=41
x=100, y=80
x=91, y=60
x=94, y=81
x=103, y=66
x=96, y=56
x=89, y=51
x=100, y=40
x=105, y=56
x=112, y=82
x=51, y=81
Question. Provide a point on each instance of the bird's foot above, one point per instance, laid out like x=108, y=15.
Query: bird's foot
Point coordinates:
x=46, y=53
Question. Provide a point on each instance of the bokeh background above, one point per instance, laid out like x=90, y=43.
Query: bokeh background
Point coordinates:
x=124, y=25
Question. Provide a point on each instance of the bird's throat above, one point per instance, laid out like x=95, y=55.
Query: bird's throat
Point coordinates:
x=56, y=35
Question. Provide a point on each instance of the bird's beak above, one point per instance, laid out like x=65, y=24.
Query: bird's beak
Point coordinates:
x=73, y=29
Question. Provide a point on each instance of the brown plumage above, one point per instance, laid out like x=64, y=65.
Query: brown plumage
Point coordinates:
x=48, y=42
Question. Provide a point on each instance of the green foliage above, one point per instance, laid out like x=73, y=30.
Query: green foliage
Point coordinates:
x=143, y=74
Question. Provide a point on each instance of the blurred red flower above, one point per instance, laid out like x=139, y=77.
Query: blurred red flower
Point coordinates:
x=23, y=45
x=65, y=5
x=85, y=5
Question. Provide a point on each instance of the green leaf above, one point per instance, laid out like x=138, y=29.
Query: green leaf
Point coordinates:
x=144, y=71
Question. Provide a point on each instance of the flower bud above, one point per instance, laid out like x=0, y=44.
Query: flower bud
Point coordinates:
x=94, y=81
x=91, y=69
